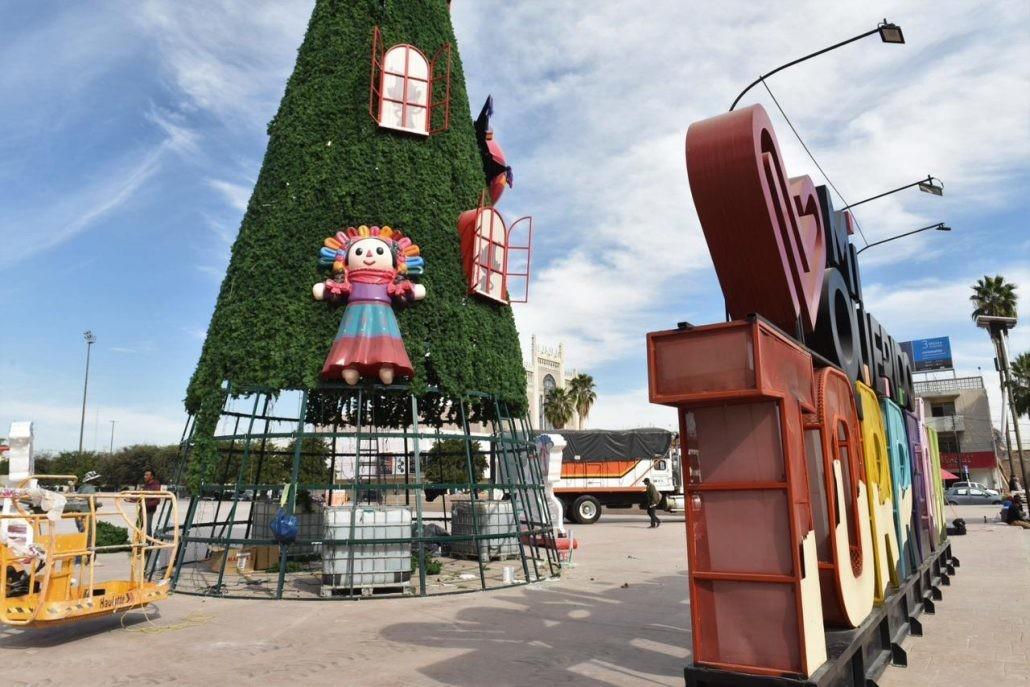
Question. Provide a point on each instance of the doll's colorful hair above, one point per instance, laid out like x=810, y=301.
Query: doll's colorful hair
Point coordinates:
x=407, y=257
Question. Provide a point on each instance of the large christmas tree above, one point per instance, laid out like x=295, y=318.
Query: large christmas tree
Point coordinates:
x=329, y=165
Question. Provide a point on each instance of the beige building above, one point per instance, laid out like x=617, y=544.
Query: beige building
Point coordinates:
x=545, y=371
x=958, y=409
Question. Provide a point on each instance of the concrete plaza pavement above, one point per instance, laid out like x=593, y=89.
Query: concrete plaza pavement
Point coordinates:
x=619, y=617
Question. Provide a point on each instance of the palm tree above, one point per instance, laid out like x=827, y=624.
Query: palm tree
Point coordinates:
x=993, y=296
x=1019, y=384
x=582, y=390
x=558, y=407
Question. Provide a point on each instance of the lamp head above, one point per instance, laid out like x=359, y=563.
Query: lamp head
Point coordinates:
x=890, y=33
x=929, y=187
x=995, y=322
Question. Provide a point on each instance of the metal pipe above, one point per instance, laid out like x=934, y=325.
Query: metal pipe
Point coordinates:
x=800, y=59
x=90, y=340
x=939, y=225
x=927, y=180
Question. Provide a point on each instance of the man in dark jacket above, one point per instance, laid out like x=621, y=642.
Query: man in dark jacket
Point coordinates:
x=654, y=497
x=1012, y=512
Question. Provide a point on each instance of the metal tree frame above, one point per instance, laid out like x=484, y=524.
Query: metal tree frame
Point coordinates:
x=351, y=424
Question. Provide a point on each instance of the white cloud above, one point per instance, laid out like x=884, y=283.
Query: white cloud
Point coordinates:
x=57, y=426
x=195, y=332
x=630, y=410
x=939, y=307
x=230, y=58
x=237, y=195
x=592, y=107
x=74, y=214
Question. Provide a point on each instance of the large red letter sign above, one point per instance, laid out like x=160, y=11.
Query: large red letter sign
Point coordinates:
x=742, y=390
x=763, y=229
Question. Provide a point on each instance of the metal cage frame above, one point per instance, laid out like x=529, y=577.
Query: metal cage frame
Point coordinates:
x=358, y=416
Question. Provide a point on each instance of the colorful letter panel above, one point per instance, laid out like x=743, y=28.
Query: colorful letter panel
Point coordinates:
x=920, y=504
x=931, y=479
x=764, y=230
x=846, y=574
x=901, y=485
x=742, y=389
x=881, y=502
x=941, y=532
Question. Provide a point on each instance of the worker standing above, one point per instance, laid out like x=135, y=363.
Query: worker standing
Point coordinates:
x=150, y=483
x=654, y=497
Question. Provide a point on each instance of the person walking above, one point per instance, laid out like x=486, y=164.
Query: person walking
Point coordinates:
x=654, y=497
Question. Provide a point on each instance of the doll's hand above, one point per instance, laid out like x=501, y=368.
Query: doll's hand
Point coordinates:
x=418, y=292
x=318, y=291
x=400, y=290
x=337, y=289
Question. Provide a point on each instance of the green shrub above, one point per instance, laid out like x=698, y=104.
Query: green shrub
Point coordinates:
x=433, y=566
x=111, y=535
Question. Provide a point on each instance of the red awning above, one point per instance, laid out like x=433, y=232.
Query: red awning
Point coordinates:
x=948, y=475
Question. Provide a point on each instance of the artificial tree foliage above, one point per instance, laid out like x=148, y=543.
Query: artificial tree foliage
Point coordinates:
x=329, y=165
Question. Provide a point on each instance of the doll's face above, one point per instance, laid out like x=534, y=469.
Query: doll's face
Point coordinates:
x=369, y=253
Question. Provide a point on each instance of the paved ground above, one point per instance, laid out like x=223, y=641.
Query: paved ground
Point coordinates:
x=980, y=634
x=620, y=617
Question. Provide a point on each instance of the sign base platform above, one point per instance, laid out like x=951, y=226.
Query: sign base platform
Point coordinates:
x=856, y=658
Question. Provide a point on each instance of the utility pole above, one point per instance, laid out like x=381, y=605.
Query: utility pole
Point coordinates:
x=111, y=450
x=90, y=339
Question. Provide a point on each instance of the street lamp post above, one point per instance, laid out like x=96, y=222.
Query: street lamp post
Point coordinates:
x=940, y=226
x=889, y=33
x=926, y=185
x=90, y=339
x=111, y=450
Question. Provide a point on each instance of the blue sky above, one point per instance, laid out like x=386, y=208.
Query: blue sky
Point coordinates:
x=132, y=132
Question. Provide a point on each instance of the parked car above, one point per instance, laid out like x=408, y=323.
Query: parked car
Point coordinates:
x=976, y=485
x=965, y=495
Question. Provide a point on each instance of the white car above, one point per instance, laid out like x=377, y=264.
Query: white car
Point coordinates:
x=976, y=485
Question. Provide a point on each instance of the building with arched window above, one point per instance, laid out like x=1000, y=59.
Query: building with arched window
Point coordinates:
x=545, y=371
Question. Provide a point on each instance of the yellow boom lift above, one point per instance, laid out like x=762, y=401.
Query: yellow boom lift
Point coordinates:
x=48, y=555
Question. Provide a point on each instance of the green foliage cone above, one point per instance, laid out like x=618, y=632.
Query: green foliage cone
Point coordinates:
x=328, y=165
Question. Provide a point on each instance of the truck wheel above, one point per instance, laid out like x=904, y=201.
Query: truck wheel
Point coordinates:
x=586, y=510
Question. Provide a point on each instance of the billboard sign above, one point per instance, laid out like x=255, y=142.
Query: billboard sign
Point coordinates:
x=929, y=354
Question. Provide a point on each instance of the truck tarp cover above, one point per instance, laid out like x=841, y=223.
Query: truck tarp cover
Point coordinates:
x=631, y=444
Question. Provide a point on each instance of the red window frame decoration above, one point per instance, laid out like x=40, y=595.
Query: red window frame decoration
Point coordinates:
x=432, y=76
x=487, y=256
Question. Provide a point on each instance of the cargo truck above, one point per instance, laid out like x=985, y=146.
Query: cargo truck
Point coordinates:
x=608, y=467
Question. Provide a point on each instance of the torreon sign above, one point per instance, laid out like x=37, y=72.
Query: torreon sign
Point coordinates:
x=812, y=483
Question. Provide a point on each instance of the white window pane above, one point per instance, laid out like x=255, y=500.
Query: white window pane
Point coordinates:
x=390, y=114
x=491, y=226
x=418, y=92
x=494, y=285
x=394, y=59
x=417, y=119
x=417, y=66
x=393, y=87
